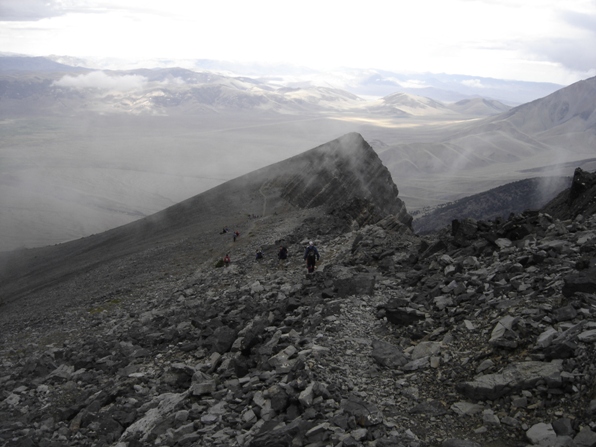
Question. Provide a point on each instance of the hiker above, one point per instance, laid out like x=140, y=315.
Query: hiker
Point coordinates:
x=311, y=256
x=236, y=234
x=259, y=254
x=282, y=254
x=226, y=260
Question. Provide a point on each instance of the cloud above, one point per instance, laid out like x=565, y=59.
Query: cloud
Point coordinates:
x=575, y=51
x=100, y=80
x=30, y=10
x=489, y=38
x=172, y=81
x=575, y=55
x=476, y=83
x=412, y=83
x=580, y=20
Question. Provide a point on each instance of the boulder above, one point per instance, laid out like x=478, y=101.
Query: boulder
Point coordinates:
x=581, y=282
x=388, y=355
x=515, y=377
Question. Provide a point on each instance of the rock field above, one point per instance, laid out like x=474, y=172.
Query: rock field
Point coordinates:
x=480, y=335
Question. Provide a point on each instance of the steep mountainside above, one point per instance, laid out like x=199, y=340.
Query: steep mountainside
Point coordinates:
x=558, y=128
x=516, y=197
x=572, y=107
x=342, y=174
x=479, y=107
x=408, y=104
x=579, y=198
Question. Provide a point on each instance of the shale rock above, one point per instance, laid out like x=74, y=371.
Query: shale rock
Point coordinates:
x=395, y=340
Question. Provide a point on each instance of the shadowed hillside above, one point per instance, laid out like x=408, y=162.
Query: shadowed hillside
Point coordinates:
x=323, y=179
x=557, y=128
x=578, y=199
x=516, y=197
x=553, y=135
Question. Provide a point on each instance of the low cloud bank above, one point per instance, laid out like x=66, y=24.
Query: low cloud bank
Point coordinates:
x=100, y=80
x=474, y=83
x=413, y=83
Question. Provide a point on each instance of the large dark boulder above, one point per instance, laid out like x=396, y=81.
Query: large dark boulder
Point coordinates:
x=388, y=355
x=398, y=312
x=583, y=281
x=464, y=231
x=577, y=199
x=222, y=339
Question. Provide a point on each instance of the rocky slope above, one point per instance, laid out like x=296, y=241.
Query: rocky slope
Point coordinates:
x=343, y=172
x=580, y=198
x=481, y=336
x=516, y=197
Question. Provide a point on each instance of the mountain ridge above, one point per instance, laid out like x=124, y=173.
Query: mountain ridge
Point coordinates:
x=550, y=136
x=179, y=90
x=497, y=203
x=328, y=177
x=367, y=82
x=481, y=336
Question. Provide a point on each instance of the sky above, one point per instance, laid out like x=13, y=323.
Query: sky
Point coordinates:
x=529, y=40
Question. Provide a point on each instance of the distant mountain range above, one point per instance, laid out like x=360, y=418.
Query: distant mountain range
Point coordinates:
x=88, y=149
x=40, y=85
x=42, y=64
x=362, y=82
x=553, y=130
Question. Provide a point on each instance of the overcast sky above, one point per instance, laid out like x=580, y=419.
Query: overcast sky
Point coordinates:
x=532, y=40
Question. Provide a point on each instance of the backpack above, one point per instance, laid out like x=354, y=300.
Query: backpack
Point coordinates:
x=311, y=252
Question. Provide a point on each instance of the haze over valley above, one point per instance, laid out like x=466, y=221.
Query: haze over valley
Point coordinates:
x=87, y=150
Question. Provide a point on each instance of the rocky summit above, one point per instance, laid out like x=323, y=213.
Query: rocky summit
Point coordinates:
x=482, y=334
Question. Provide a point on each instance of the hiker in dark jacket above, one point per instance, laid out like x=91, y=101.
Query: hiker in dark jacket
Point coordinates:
x=311, y=256
x=282, y=255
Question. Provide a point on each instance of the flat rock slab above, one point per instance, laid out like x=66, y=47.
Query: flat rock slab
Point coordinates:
x=515, y=377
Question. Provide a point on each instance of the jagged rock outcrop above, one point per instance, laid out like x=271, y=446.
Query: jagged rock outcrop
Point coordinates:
x=329, y=176
x=579, y=198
